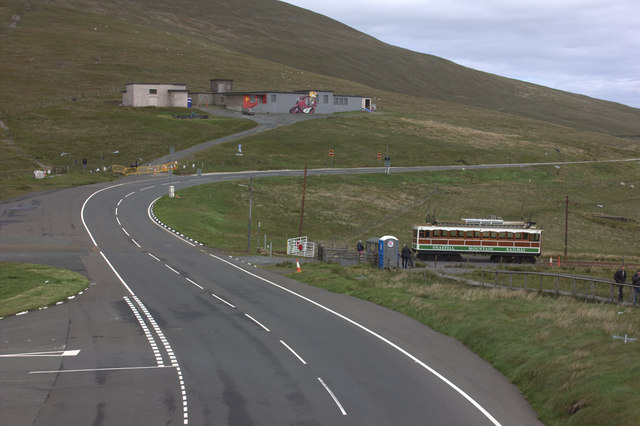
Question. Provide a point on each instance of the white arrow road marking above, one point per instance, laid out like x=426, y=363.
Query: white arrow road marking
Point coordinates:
x=35, y=354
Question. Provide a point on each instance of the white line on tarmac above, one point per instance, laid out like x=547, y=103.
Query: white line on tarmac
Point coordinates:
x=294, y=352
x=344, y=413
x=256, y=321
x=374, y=334
x=195, y=283
x=42, y=354
x=171, y=269
x=222, y=300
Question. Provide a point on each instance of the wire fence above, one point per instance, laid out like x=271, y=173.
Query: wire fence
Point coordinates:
x=588, y=288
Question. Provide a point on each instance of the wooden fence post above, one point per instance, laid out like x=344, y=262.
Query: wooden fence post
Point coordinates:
x=540, y=283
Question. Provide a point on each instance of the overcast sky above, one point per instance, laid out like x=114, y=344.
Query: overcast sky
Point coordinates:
x=591, y=47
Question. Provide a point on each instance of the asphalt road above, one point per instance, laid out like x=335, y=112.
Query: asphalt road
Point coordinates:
x=172, y=333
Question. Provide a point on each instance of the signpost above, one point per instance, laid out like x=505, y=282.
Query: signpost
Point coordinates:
x=331, y=156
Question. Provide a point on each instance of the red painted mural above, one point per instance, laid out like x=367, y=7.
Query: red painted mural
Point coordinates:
x=305, y=104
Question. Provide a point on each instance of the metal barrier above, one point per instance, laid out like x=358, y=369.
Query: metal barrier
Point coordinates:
x=590, y=288
x=301, y=247
x=346, y=256
x=145, y=170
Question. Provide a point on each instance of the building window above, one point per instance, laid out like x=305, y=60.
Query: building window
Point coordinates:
x=273, y=97
x=325, y=99
x=153, y=91
x=340, y=101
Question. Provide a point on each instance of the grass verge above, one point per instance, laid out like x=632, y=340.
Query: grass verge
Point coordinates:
x=343, y=209
x=558, y=351
x=410, y=140
x=25, y=286
x=108, y=134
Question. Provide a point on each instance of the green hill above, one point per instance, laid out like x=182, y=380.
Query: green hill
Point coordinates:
x=88, y=45
x=60, y=51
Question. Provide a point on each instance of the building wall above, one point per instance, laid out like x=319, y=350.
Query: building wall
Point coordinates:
x=326, y=102
x=204, y=99
x=219, y=85
x=152, y=94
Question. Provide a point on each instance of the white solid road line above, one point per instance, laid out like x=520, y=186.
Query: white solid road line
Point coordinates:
x=335, y=399
x=373, y=333
x=42, y=354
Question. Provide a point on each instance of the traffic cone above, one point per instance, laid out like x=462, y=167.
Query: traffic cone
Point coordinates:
x=298, y=265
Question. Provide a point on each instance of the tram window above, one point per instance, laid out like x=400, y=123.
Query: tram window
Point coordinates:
x=444, y=233
x=536, y=237
x=494, y=235
x=469, y=234
x=518, y=235
x=509, y=235
x=477, y=234
x=486, y=234
x=424, y=233
x=502, y=235
x=436, y=233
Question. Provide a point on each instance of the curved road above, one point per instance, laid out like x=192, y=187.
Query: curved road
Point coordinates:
x=170, y=332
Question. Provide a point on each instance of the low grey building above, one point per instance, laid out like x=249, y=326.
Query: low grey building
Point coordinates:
x=250, y=102
x=277, y=102
x=155, y=94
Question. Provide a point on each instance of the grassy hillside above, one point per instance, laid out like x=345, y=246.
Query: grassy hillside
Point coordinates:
x=414, y=140
x=344, y=209
x=66, y=61
x=95, y=42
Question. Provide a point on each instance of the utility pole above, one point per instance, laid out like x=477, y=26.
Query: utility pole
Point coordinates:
x=304, y=190
x=566, y=223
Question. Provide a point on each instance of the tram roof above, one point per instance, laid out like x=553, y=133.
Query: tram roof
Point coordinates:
x=505, y=226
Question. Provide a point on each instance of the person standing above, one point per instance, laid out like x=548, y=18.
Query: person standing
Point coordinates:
x=620, y=277
x=405, y=254
x=635, y=280
x=360, y=248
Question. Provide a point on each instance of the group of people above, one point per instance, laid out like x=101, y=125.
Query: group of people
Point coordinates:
x=620, y=277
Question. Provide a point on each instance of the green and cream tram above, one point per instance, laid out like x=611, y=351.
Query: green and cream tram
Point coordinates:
x=501, y=240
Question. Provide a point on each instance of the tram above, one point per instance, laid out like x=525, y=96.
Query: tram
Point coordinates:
x=503, y=241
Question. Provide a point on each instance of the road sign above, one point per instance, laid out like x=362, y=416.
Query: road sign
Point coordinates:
x=330, y=153
x=379, y=155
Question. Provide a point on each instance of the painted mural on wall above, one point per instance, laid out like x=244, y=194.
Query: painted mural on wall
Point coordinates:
x=247, y=105
x=305, y=104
